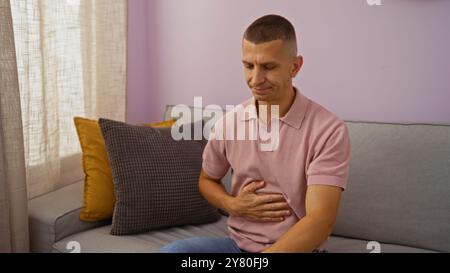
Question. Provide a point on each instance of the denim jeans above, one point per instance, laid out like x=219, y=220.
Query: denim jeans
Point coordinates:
x=202, y=245
x=208, y=245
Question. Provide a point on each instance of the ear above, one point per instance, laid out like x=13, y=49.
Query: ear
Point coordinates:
x=297, y=65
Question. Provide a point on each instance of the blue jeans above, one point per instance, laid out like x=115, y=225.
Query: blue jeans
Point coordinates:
x=202, y=245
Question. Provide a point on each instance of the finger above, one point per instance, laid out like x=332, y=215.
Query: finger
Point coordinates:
x=249, y=187
x=274, y=206
x=276, y=214
x=270, y=198
x=253, y=186
x=259, y=184
x=270, y=219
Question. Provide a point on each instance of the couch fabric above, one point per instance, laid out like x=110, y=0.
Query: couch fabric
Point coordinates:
x=99, y=239
x=399, y=185
x=56, y=215
x=397, y=195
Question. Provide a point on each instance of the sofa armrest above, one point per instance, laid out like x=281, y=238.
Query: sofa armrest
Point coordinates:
x=56, y=215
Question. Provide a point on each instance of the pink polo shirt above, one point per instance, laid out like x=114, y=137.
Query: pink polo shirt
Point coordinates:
x=313, y=148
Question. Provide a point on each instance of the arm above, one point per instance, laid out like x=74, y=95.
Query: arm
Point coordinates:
x=214, y=192
x=322, y=203
x=247, y=204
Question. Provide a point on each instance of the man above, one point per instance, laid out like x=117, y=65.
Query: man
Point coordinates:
x=285, y=199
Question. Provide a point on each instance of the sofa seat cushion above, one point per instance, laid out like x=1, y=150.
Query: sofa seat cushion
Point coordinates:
x=55, y=215
x=100, y=239
x=337, y=244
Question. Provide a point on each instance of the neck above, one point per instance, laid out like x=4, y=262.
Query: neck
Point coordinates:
x=284, y=104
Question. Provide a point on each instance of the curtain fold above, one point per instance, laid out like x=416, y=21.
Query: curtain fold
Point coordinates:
x=13, y=191
x=71, y=57
x=58, y=59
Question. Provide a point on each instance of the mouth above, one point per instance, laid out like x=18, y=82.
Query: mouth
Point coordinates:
x=262, y=91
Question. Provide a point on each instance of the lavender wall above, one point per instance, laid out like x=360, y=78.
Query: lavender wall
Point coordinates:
x=375, y=63
x=142, y=66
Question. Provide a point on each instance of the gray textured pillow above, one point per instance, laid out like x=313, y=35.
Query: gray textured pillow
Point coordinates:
x=155, y=179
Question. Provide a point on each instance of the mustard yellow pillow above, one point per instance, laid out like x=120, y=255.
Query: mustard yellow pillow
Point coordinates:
x=98, y=194
x=163, y=124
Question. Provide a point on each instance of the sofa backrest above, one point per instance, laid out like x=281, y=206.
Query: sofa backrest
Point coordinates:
x=399, y=185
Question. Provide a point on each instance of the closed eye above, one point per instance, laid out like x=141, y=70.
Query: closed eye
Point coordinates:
x=248, y=65
x=266, y=66
x=270, y=67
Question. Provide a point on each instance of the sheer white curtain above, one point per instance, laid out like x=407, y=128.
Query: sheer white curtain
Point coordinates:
x=13, y=192
x=71, y=58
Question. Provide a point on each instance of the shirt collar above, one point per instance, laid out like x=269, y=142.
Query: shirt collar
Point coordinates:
x=294, y=117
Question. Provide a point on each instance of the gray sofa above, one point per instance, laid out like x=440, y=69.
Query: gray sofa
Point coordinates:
x=398, y=196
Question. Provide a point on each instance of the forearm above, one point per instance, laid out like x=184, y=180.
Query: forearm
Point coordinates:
x=305, y=236
x=215, y=193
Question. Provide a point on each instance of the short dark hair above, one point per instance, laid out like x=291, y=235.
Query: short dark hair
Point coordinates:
x=269, y=28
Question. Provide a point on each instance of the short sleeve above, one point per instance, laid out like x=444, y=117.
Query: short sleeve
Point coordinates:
x=331, y=165
x=215, y=162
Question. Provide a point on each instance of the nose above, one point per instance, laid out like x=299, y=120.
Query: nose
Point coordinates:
x=258, y=77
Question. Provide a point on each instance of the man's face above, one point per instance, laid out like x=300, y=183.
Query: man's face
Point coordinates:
x=269, y=68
